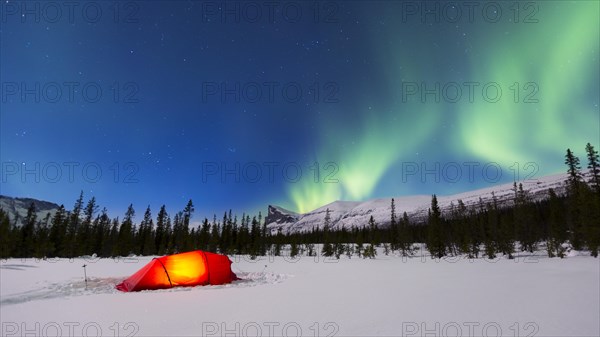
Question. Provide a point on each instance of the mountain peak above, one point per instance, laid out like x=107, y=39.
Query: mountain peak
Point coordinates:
x=280, y=215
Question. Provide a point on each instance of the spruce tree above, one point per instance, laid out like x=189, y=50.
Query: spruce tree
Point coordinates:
x=591, y=207
x=72, y=246
x=188, y=211
x=404, y=240
x=349, y=250
x=524, y=220
x=461, y=230
x=394, y=232
x=42, y=244
x=147, y=240
x=373, y=232
x=293, y=248
x=126, y=233
x=168, y=236
x=594, y=167
x=277, y=245
x=84, y=232
x=369, y=251
x=475, y=230
x=327, y=249
x=573, y=170
x=489, y=219
x=101, y=231
x=359, y=249
x=114, y=238
x=204, y=235
x=255, y=242
x=435, y=242
x=575, y=200
x=27, y=245
x=160, y=240
x=310, y=248
x=557, y=228
x=178, y=236
x=58, y=232
x=5, y=235
x=327, y=220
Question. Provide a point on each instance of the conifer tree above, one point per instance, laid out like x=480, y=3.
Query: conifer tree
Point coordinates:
x=524, y=220
x=101, y=234
x=461, y=230
x=475, y=230
x=373, y=231
x=359, y=249
x=573, y=170
x=147, y=233
x=126, y=232
x=28, y=231
x=394, y=231
x=114, y=237
x=58, y=232
x=575, y=200
x=84, y=232
x=179, y=236
x=349, y=250
x=490, y=225
x=369, y=251
x=169, y=236
x=327, y=220
x=557, y=228
x=310, y=249
x=435, y=241
x=72, y=246
x=42, y=244
x=277, y=245
x=160, y=240
x=404, y=240
x=327, y=249
x=204, y=235
x=6, y=238
x=591, y=199
x=294, y=251
x=188, y=211
x=254, y=238
x=594, y=167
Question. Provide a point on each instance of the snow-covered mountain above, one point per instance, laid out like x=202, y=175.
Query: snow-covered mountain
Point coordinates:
x=17, y=207
x=350, y=214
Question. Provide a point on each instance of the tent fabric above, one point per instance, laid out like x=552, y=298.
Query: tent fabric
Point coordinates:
x=181, y=270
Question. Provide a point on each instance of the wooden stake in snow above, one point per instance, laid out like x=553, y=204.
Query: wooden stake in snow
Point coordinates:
x=85, y=275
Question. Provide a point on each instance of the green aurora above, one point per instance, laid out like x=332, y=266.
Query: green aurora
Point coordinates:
x=558, y=56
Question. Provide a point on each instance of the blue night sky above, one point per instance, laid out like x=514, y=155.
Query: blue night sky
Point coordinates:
x=169, y=100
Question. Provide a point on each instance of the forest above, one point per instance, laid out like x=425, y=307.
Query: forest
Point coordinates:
x=562, y=221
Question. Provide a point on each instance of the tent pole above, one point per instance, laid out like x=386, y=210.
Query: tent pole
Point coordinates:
x=85, y=275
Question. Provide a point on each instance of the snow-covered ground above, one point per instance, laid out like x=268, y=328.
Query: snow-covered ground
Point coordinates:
x=311, y=296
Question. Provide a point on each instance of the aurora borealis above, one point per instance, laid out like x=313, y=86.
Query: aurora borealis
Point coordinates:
x=554, y=60
x=202, y=113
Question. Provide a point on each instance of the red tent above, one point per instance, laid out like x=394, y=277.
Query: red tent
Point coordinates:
x=180, y=270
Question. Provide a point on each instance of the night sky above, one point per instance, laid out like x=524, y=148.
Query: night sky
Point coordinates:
x=158, y=102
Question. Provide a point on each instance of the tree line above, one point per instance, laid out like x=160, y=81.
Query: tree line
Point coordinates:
x=488, y=229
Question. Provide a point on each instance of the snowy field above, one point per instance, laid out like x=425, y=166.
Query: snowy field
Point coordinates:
x=388, y=296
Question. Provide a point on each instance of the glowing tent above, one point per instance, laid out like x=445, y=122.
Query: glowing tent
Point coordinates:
x=181, y=270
